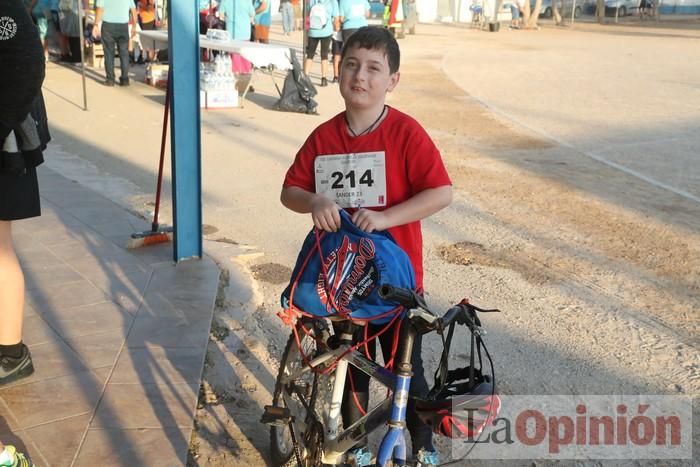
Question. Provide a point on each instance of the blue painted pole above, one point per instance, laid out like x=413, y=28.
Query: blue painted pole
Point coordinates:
x=183, y=52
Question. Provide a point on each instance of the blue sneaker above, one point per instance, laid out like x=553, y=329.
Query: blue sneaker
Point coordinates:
x=427, y=458
x=359, y=457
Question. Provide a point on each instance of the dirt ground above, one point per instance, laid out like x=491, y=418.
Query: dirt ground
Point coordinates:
x=597, y=274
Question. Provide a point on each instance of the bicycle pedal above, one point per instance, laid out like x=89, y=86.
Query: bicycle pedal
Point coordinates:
x=276, y=416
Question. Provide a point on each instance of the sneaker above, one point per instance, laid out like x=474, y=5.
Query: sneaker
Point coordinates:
x=427, y=458
x=324, y=82
x=109, y=83
x=359, y=457
x=12, y=369
x=123, y=81
x=17, y=458
x=335, y=80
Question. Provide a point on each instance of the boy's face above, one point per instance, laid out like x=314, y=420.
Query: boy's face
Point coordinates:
x=365, y=78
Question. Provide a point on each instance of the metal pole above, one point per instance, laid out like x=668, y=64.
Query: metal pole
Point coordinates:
x=81, y=20
x=183, y=53
x=305, y=33
x=573, y=11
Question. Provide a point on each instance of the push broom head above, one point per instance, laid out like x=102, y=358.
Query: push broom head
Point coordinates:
x=150, y=237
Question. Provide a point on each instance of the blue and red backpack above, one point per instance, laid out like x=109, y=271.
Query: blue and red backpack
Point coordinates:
x=339, y=273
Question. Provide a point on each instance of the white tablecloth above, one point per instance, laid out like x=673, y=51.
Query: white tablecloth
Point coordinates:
x=260, y=55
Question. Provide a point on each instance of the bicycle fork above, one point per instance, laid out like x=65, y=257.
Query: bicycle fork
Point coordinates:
x=394, y=441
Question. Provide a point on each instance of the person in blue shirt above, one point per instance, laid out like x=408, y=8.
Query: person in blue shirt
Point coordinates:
x=353, y=16
x=238, y=15
x=40, y=11
x=263, y=18
x=322, y=16
x=112, y=24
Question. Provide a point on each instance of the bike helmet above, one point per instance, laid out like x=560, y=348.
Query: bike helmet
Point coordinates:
x=463, y=400
x=461, y=416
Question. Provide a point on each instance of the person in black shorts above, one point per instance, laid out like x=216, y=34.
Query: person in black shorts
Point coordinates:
x=336, y=49
x=23, y=137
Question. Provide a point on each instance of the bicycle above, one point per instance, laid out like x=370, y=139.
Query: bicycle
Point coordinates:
x=306, y=429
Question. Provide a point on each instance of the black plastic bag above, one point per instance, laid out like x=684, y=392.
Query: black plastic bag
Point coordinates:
x=298, y=91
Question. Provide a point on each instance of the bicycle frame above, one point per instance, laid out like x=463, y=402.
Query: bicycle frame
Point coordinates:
x=336, y=443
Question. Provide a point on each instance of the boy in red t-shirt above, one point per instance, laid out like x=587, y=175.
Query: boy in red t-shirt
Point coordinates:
x=382, y=166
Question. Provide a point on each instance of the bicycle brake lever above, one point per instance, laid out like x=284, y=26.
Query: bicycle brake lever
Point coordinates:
x=429, y=318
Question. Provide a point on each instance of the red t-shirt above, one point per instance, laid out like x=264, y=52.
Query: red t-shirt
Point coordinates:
x=412, y=164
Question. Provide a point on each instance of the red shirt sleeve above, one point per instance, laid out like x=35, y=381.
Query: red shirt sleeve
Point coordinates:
x=301, y=173
x=425, y=168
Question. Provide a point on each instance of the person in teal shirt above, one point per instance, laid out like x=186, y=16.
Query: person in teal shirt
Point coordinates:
x=263, y=18
x=238, y=15
x=112, y=25
x=353, y=16
x=323, y=19
x=41, y=13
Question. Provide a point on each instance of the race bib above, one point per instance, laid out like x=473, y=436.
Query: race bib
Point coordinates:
x=352, y=180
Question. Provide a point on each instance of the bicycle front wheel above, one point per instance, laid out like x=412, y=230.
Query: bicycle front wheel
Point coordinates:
x=299, y=396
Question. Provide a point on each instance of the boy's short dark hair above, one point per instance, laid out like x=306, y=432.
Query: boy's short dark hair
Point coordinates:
x=375, y=38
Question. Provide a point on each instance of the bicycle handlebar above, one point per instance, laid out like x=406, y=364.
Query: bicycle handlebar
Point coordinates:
x=462, y=313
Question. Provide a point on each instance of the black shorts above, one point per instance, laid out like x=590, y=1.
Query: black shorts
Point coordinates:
x=55, y=20
x=150, y=26
x=313, y=42
x=347, y=33
x=20, y=196
x=337, y=47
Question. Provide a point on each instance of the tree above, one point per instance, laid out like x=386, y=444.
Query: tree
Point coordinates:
x=600, y=11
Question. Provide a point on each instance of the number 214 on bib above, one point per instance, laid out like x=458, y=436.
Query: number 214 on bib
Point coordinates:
x=352, y=180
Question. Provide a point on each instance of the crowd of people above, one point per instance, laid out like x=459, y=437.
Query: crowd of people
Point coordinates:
x=115, y=23
x=328, y=22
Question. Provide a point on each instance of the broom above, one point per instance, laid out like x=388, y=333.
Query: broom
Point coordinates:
x=157, y=234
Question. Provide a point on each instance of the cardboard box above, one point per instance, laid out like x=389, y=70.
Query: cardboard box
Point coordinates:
x=157, y=75
x=94, y=55
x=225, y=99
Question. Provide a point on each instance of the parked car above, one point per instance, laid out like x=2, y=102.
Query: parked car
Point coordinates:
x=564, y=6
x=622, y=7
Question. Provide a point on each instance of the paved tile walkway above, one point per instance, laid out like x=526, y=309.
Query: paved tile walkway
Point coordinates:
x=118, y=337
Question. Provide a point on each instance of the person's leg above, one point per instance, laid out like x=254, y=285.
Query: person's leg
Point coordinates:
x=148, y=45
x=347, y=33
x=297, y=17
x=287, y=17
x=122, y=38
x=262, y=33
x=356, y=395
x=42, y=26
x=325, y=45
x=337, y=48
x=324, y=60
x=310, y=52
x=11, y=289
x=108, y=43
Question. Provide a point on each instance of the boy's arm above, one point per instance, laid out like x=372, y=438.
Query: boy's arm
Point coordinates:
x=420, y=206
x=324, y=211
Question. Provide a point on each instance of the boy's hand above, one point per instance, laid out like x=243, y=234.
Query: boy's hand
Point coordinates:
x=324, y=213
x=369, y=221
